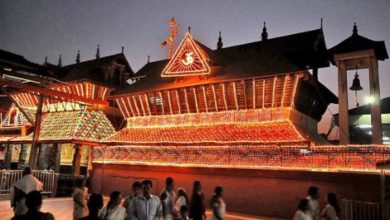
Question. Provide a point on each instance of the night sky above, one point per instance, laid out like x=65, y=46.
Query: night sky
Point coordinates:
x=40, y=28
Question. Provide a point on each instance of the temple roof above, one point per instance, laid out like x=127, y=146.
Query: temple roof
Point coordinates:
x=92, y=69
x=270, y=132
x=357, y=43
x=19, y=63
x=88, y=126
x=280, y=55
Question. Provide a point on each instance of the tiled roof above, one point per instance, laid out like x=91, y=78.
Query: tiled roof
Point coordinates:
x=285, y=54
x=89, y=126
x=217, y=134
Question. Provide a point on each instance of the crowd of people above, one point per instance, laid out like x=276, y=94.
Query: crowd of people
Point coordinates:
x=309, y=208
x=141, y=204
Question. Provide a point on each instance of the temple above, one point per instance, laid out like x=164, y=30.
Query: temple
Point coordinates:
x=239, y=116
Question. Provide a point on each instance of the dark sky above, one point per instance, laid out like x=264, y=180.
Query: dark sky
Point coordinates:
x=39, y=28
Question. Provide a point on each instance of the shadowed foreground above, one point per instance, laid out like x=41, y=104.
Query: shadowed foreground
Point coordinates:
x=62, y=209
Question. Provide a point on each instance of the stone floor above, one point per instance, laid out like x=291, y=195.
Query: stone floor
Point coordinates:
x=62, y=209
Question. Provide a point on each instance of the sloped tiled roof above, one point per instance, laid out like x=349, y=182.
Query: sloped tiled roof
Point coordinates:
x=92, y=69
x=91, y=126
x=356, y=43
x=212, y=134
x=285, y=54
x=17, y=62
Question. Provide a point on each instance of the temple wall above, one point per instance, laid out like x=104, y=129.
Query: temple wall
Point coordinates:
x=256, y=192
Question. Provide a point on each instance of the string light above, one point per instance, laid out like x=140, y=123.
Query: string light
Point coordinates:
x=270, y=156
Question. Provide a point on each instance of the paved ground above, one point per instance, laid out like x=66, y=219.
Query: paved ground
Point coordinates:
x=62, y=210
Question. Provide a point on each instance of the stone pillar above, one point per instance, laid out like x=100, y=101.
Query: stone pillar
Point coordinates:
x=343, y=103
x=376, y=118
x=8, y=156
x=22, y=156
x=76, y=160
x=42, y=157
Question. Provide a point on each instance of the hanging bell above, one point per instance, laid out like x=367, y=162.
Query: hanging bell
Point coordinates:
x=356, y=83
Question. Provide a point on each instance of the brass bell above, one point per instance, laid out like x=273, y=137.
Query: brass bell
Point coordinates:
x=356, y=83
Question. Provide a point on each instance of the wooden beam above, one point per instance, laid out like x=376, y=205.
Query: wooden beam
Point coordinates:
x=147, y=104
x=136, y=106
x=235, y=94
x=205, y=98
x=37, y=129
x=186, y=99
x=49, y=92
x=142, y=104
x=273, y=91
x=126, y=109
x=169, y=102
x=244, y=91
x=215, y=98
x=196, y=99
x=178, y=101
x=131, y=107
x=254, y=92
x=162, y=103
x=76, y=162
x=224, y=96
x=263, y=100
x=284, y=90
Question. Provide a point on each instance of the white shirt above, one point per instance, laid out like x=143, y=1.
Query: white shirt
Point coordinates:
x=221, y=209
x=314, y=208
x=329, y=213
x=146, y=209
x=299, y=215
x=180, y=202
x=117, y=213
x=128, y=204
x=168, y=204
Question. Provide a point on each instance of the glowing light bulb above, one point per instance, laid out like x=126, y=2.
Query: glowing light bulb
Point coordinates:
x=370, y=99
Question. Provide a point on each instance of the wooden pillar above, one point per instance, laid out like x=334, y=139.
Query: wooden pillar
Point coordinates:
x=76, y=160
x=22, y=156
x=376, y=119
x=43, y=157
x=8, y=156
x=343, y=104
x=37, y=128
x=57, y=153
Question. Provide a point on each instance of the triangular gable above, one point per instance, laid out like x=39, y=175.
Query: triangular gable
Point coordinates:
x=188, y=60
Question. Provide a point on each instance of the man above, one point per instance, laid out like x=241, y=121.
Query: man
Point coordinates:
x=34, y=204
x=314, y=207
x=95, y=204
x=21, y=188
x=168, y=199
x=129, y=201
x=146, y=206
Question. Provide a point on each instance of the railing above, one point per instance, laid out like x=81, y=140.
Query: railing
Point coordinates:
x=48, y=178
x=361, y=210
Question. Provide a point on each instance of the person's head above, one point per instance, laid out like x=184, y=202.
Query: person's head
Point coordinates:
x=181, y=192
x=95, y=203
x=303, y=205
x=27, y=171
x=115, y=199
x=136, y=188
x=332, y=200
x=34, y=200
x=313, y=192
x=184, y=211
x=218, y=191
x=146, y=187
x=169, y=184
x=197, y=187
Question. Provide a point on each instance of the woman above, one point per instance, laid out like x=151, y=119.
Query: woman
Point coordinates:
x=197, y=209
x=217, y=204
x=79, y=200
x=182, y=200
x=113, y=210
x=332, y=209
x=302, y=211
